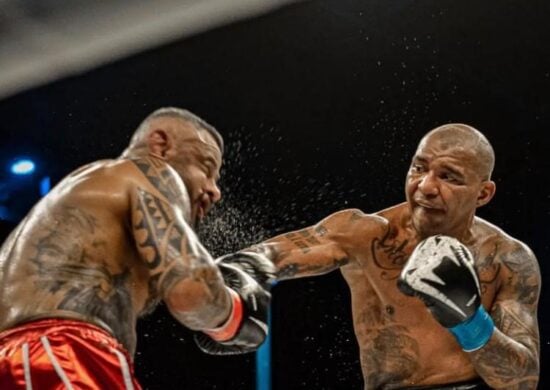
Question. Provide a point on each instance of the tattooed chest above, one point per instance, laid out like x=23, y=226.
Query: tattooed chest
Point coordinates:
x=387, y=255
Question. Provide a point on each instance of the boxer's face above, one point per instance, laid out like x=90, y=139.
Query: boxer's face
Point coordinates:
x=198, y=160
x=443, y=188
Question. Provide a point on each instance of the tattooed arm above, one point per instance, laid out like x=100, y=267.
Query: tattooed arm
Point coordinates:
x=511, y=358
x=317, y=249
x=181, y=271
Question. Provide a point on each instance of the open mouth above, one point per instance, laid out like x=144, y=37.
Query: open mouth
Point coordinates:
x=202, y=208
x=200, y=213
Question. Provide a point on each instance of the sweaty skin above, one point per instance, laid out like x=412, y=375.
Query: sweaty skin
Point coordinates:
x=111, y=240
x=400, y=343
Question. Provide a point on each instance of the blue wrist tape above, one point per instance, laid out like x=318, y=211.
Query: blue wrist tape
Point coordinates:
x=475, y=332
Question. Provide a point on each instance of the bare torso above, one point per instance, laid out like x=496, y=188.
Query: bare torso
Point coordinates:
x=74, y=255
x=400, y=342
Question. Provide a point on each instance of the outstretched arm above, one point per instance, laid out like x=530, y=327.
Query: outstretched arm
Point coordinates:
x=314, y=250
x=511, y=357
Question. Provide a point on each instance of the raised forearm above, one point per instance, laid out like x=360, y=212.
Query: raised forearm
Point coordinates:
x=511, y=357
x=504, y=363
x=199, y=298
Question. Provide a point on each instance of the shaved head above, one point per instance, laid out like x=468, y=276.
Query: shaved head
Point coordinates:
x=162, y=115
x=472, y=141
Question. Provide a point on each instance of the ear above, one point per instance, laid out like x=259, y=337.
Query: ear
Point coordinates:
x=486, y=193
x=158, y=142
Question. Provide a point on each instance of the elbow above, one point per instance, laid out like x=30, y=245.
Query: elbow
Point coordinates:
x=532, y=370
x=527, y=378
x=198, y=299
x=533, y=375
x=187, y=296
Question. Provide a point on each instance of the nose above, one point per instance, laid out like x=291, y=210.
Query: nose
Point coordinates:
x=213, y=191
x=428, y=185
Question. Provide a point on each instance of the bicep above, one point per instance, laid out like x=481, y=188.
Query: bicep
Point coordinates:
x=166, y=244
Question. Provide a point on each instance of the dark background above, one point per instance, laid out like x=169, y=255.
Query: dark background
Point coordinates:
x=322, y=105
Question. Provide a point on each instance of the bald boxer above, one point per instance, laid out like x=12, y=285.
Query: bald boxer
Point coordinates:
x=481, y=286
x=108, y=243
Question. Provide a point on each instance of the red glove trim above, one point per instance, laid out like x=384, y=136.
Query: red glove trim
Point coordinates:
x=227, y=330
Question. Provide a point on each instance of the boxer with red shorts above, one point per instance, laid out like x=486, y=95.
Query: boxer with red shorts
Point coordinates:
x=108, y=243
x=51, y=353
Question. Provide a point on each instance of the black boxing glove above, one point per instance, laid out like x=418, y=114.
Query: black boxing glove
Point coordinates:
x=248, y=276
x=256, y=265
x=441, y=272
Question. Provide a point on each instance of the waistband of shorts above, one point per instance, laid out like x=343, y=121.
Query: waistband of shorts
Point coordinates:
x=52, y=324
x=467, y=385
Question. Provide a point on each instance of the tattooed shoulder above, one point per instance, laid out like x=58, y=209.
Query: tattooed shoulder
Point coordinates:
x=165, y=180
x=523, y=273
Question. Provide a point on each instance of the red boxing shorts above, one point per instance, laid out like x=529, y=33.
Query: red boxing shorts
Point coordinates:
x=63, y=354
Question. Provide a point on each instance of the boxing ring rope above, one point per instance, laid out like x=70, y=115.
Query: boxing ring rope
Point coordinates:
x=263, y=361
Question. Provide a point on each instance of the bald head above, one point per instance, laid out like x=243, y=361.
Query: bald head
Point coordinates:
x=164, y=116
x=467, y=138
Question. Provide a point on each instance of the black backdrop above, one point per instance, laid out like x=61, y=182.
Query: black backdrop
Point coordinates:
x=321, y=104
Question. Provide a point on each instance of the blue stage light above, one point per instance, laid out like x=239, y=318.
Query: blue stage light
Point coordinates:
x=22, y=167
x=45, y=185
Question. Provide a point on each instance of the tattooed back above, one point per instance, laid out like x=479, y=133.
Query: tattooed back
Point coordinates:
x=74, y=256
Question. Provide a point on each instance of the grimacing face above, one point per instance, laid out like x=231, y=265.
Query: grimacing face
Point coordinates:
x=443, y=188
x=198, y=162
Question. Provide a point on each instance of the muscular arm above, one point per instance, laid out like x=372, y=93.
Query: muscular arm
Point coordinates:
x=314, y=250
x=182, y=272
x=511, y=358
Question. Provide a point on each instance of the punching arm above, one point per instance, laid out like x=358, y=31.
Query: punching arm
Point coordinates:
x=315, y=250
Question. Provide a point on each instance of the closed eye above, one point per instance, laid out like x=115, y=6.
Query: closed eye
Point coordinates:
x=451, y=178
x=417, y=168
x=210, y=169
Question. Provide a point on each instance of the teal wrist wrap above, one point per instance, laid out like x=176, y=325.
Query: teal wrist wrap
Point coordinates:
x=475, y=332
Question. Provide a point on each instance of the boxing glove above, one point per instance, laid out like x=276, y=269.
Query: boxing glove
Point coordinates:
x=441, y=272
x=248, y=276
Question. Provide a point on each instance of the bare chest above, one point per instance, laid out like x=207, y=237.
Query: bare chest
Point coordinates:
x=400, y=342
x=381, y=259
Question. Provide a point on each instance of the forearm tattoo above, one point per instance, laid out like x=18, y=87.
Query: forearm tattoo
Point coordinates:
x=302, y=239
x=303, y=254
x=291, y=270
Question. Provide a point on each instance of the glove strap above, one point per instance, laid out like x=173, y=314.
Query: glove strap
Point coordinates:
x=475, y=332
x=229, y=328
